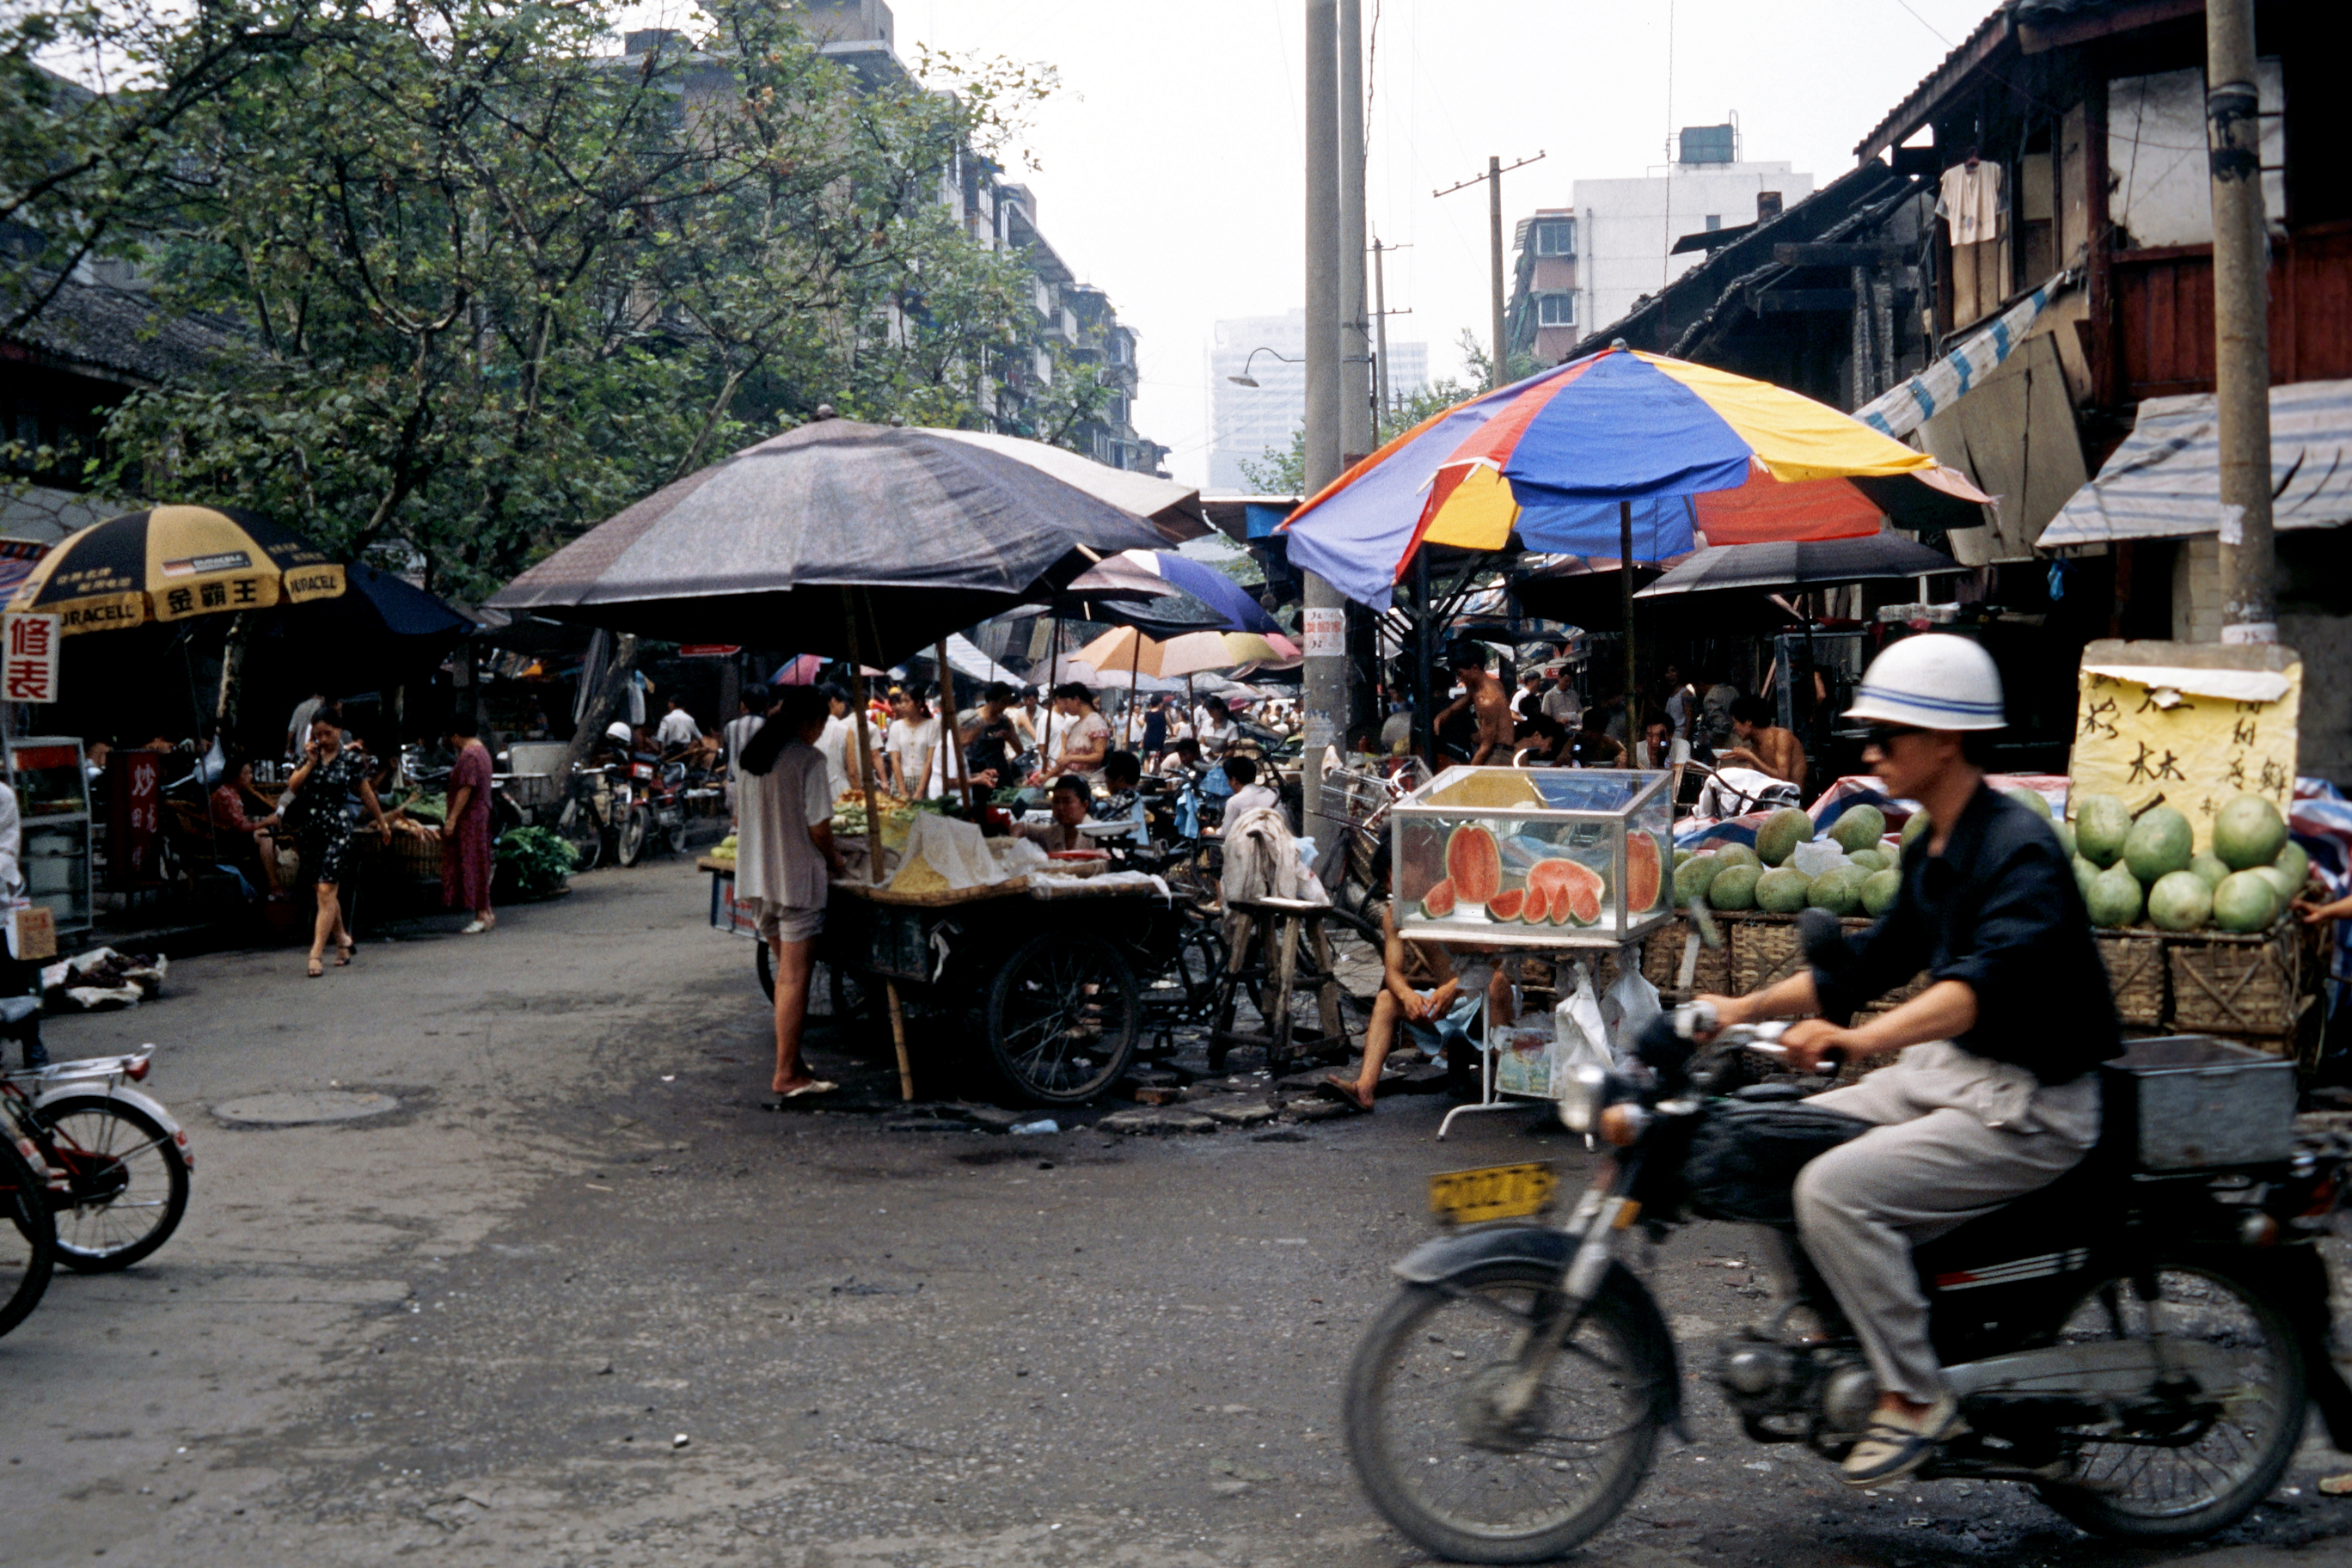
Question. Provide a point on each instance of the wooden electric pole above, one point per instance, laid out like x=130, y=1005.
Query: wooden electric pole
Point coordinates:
x=1493, y=178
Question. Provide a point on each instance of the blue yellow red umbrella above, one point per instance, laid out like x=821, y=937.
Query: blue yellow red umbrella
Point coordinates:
x=1701, y=456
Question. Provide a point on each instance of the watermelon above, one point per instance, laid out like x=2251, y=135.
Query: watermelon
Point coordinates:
x=2245, y=902
x=1734, y=887
x=1507, y=904
x=1871, y=859
x=2248, y=833
x=2179, y=901
x=1879, y=890
x=1574, y=890
x=1693, y=877
x=1858, y=827
x=1837, y=890
x=2297, y=863
x=2034, y=800
x=2159, y=842
x=2210, y=868
x=2102, y=823
x=1474, y=864
x=1782, y=833
x=1537, y=908
x=1737, y=855
x=2116, y=898
x=1438, y=902
x=1643, y=870
x=1783, y=890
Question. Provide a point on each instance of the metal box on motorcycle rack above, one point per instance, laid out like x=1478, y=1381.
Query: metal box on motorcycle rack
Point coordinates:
x=2191, y=1103
x=1534, y=857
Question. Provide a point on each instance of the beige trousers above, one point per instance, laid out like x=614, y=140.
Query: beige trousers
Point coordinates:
x=1960, y=1135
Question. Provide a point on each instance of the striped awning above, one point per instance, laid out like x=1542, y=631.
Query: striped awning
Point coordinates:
x=2164, y=481
x=1906, y=407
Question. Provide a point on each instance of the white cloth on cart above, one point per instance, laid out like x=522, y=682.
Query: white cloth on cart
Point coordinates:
x=1261, y=861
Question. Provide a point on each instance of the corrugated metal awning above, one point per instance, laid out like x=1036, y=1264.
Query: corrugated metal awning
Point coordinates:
x=1906, y=407
x=2164, y=481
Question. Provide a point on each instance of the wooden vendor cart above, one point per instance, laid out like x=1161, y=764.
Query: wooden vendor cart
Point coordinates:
x=1042, y=969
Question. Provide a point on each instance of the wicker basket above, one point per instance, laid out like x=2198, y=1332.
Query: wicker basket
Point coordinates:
x=1662, y=961
x=415, y=855
x=2244, y=985
x=2136, y=974
x=1764, y=951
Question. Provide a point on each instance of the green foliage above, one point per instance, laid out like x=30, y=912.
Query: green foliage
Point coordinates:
x=539, y=858
x=499, y=284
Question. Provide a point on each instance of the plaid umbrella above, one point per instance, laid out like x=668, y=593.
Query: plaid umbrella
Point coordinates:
x=169, y=562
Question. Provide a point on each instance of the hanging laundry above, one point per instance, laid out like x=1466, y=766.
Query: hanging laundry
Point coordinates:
x=1969, y=201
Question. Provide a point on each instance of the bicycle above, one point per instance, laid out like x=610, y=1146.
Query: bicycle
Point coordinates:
x=117, y=1166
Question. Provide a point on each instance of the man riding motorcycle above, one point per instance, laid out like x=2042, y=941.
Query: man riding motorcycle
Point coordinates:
x=1994, y=1096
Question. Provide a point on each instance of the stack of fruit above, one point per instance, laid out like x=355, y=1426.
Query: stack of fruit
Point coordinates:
x=2129, y=870
x=1849, y=870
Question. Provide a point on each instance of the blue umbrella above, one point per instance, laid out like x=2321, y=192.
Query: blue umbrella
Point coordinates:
x=1163, y=571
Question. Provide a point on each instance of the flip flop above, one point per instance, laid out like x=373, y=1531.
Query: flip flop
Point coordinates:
x=784, y=1097
x=1344, y=1089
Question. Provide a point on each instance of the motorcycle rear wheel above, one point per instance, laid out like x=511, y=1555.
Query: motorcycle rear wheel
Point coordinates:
x=1413, y=1399
x=2131, y=1487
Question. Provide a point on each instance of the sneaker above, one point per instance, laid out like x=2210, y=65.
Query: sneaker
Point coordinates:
x=1896, y=1446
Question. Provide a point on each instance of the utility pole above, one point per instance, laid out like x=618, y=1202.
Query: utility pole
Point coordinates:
x=2241, y=354
x=1384, y=405
x=1355, y=342
x=1324, y=623
x=1495, y=170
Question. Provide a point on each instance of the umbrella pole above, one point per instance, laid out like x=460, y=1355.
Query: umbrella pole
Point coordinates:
x=865, y=745
x=1625, y=563
x=954, y=771
x=1134, y=670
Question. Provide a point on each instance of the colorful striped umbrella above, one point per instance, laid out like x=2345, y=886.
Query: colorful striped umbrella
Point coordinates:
x=1700, y=456
x=171, y=563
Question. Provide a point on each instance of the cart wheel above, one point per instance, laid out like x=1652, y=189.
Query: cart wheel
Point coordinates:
x=587, y=840
x=631, y=848
x=1062, y=1017
x=766, y=966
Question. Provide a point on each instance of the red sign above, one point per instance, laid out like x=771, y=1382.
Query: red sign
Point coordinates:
x=708, y=649
x=134, y=797
x=31, y=658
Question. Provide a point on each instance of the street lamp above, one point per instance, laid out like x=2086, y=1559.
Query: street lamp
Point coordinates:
x=1245, y=379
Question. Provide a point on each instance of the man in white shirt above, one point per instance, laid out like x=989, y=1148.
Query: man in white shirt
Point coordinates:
x=676, y=727
x=754, y=702
x=1560, y=704
x=1248, y=793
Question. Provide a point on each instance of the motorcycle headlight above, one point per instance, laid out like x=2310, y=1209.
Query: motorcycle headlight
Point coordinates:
x=1584, y=1096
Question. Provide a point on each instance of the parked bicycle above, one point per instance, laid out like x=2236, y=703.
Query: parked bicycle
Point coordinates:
x=116, y=1164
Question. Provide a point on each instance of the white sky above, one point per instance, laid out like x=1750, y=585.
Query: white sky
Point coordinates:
x=1171, y=159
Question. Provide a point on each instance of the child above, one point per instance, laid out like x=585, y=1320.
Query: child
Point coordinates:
x=1248, y=793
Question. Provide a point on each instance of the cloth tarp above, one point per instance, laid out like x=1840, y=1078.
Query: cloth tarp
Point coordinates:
x=1908, y=407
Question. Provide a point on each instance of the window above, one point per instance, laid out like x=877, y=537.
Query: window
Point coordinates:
x=1714, y=222
x=1556, y=236
x=1555, y=309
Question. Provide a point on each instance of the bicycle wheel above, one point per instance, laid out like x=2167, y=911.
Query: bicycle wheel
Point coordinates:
x=1468, y=1485
x=28, y=1247
x=126, y=1181
x=1062, y=1017
x=2173, y=1466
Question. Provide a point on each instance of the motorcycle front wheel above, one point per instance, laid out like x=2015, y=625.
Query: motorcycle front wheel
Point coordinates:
x=1445, y=1467
x=2163, y=1469
x=635, y=829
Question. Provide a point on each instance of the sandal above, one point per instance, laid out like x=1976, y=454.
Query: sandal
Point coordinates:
x=345, y=952
x=786, y=1097
x=316, y=969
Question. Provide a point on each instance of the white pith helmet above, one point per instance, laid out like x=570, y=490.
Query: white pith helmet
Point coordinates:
x=1933, y=681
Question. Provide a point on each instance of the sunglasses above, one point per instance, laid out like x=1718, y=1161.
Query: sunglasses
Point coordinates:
x=1883, y=736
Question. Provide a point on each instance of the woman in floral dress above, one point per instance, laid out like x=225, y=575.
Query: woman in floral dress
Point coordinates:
x=331, y=770
x=466, y=836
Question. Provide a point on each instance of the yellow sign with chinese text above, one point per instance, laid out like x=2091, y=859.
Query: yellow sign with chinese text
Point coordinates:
x=2191, y=725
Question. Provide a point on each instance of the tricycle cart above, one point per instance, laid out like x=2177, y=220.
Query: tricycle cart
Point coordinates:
x=1044, y=969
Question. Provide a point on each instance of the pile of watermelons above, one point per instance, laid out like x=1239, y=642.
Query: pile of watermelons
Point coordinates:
x=2129, y=870
x=1854, y=872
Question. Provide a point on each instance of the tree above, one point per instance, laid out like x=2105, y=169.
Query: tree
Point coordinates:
x=499, y=286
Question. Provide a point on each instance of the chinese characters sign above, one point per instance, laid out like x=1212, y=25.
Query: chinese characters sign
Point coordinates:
x=2194, y=725
x=28, y=665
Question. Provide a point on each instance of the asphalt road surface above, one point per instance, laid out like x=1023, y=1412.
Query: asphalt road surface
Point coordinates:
x=579, y=1301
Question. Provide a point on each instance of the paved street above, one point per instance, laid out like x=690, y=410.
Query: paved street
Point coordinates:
x=475, y=1329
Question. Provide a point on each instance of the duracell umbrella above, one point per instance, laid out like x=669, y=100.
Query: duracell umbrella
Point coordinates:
x=173, y=563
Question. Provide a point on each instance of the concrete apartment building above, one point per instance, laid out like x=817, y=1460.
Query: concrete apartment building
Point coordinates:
x=1251, y=424
x=1586, y=265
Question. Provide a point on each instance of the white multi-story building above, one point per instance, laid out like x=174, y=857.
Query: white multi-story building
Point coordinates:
x=1626, y=229
x=1255, y=423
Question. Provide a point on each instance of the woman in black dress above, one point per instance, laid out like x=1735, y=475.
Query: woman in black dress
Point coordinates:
x=331, y=770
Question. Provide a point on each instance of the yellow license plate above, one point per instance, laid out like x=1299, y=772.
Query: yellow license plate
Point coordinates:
x=1497, y=1192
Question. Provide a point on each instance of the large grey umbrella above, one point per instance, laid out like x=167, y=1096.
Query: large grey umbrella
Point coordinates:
x=839, y=538
x=1801, y=563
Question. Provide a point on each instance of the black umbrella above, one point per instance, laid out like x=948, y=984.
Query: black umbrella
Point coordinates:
x=840, y=539
x=1801, y=563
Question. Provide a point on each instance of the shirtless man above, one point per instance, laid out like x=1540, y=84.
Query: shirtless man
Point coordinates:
x=1489, y=704
x=1763, y=745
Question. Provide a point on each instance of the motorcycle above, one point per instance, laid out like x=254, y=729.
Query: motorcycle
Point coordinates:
x=2137, y=1345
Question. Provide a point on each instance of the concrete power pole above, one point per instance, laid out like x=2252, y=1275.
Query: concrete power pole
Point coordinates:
x=1494, y=241
x=2242, y=352
x=1355, y=343
x=1325, y=622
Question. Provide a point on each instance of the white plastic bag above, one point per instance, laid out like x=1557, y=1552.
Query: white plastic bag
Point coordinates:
x=1819, y=855
x=1630, y=1005
x=953, y=849
x=1580, y=1037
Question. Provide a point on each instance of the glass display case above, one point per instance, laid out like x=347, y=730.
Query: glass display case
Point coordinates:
x=53, y=804
x=1534, y=857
